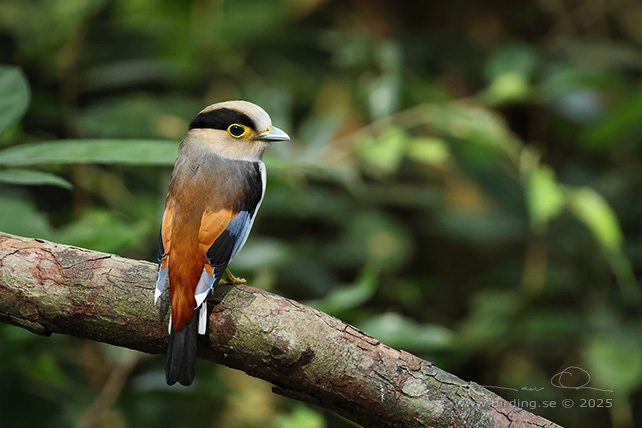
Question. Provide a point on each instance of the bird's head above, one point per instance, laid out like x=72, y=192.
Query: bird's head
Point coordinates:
x=235, y=129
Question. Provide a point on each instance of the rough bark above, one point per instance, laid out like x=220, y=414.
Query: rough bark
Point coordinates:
x=309, y=355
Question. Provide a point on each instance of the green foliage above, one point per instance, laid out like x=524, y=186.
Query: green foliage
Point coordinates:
x=509, y=71
x=460, y=184
x=301, y=417
x=403, y=333
x=14, y=96
x=31, y=177
x=544, y=197
x=122, y=152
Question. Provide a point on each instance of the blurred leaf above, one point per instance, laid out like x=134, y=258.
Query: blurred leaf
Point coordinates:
x=400, y=332
x=620, y=122
x=432, y=151
x=510, y=70
x=581, y=105
x=349, y=49
x=139, y=116
x=596, y=214
x=14, y=96
x=68, y=15
x=342, y=298
x=518, y=58
x=490, y=318
x=46, y=369
x=301, y=417
x=125, y=152
x=507, y=87
x=102, y=230
x=261, y=251
x=600, y=53
x=549, y=325
x=317, y=132
x=32, y=178
x=544, y=196
x=305, y=275
x=483, y=148
x=19, y=216
x=491, y=227
x=382, y=239
x=383, y=91
x=562, y=78
x=109, y=76
x=248, y=21
x=386, y=152
x=473, y=125
x=614, y=364
x=577, y=93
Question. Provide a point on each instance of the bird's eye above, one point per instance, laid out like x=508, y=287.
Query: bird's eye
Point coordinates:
x=237, y=131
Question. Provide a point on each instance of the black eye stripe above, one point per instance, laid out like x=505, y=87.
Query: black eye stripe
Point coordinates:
x=221, y=118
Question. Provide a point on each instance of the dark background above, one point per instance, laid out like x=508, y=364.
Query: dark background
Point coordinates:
x=463, y=182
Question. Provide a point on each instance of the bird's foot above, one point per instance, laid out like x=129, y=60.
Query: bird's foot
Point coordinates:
x=231, y=279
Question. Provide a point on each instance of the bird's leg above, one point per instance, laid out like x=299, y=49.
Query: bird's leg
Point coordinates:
x=231, y=279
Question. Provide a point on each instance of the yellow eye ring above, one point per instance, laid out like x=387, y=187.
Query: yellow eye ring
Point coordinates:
x=237, y=131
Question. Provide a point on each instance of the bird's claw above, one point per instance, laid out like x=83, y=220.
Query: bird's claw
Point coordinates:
x=232, y=279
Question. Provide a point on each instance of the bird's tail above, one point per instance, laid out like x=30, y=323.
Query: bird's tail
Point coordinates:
x=181, y=353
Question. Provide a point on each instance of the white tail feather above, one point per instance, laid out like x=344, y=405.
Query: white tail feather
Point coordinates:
x=202, y=319
x=160, y=283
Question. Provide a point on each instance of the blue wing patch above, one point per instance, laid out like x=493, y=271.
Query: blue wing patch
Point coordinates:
x=230, y=241
x=161, y=247
x=162, y=273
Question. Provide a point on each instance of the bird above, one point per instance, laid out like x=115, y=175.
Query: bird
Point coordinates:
x=215, y=191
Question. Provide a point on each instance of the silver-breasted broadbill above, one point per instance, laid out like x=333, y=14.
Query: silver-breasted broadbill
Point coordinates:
x=214, y=194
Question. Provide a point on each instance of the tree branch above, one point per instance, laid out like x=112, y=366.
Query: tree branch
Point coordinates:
x=309, y=355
